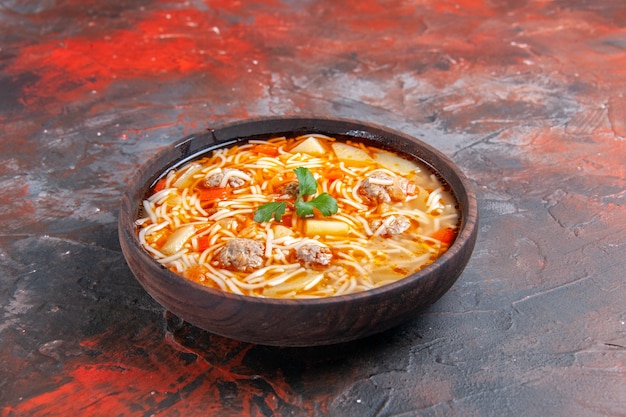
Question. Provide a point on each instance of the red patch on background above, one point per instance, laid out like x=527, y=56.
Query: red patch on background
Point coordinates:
x=166, y=43
x=162, y=383
x=14, y=203
x=461, y=7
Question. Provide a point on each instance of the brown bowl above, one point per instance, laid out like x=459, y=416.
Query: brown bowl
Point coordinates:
x=305, y=322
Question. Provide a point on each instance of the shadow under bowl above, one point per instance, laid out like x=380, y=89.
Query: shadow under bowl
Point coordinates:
x=302, y=322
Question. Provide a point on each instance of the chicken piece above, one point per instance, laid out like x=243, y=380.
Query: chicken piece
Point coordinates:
x=384, y=188
x=401, y=188
x=234, y=178
x=391, y=225
x=291, y=189
x=312, y=253
x=242, y=254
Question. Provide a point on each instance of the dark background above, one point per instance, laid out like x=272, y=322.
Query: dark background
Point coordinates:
x=527, y=97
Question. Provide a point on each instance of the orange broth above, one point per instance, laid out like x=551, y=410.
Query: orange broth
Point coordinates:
x=186, y=225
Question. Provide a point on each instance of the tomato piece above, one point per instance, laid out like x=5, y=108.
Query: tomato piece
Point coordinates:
x=265, y=149
x=204, y=242
x=159, y=238
x=214, y=193
x=445, y=235
x=160, y=185
x=287, y=220
x=200, y=274
x=334, y=174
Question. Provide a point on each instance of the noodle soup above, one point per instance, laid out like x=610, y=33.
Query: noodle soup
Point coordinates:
x=302, y=217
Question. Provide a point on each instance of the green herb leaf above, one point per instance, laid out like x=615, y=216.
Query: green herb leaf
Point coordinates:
x=266, y=211
x=306, y=180
x=304, y=208
x=324, y=202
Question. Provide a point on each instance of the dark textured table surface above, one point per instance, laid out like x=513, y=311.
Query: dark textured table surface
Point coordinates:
x=527, y=97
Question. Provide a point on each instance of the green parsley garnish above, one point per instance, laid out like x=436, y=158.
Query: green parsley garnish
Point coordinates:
x=325, y=203
x=266, y=211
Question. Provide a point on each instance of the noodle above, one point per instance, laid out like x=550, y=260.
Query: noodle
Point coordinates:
x=391, y=219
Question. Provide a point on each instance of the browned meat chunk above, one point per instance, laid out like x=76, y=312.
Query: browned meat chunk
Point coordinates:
x=383, y=188
x=236, y=178
x=312, y=253
x=242, y=254
x=291, y=188
x=392, y=225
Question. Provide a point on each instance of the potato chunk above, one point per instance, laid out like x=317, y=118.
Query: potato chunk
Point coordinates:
x=351, y=154
x=177, y=240
x=396, y=163
x=314, y=227
x=311, y=145
x=281, y=231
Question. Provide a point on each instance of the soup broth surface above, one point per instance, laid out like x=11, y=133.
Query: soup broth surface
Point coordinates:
x=343, y=217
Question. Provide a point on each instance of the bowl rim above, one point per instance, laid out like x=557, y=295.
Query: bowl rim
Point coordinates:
x=467, y=231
